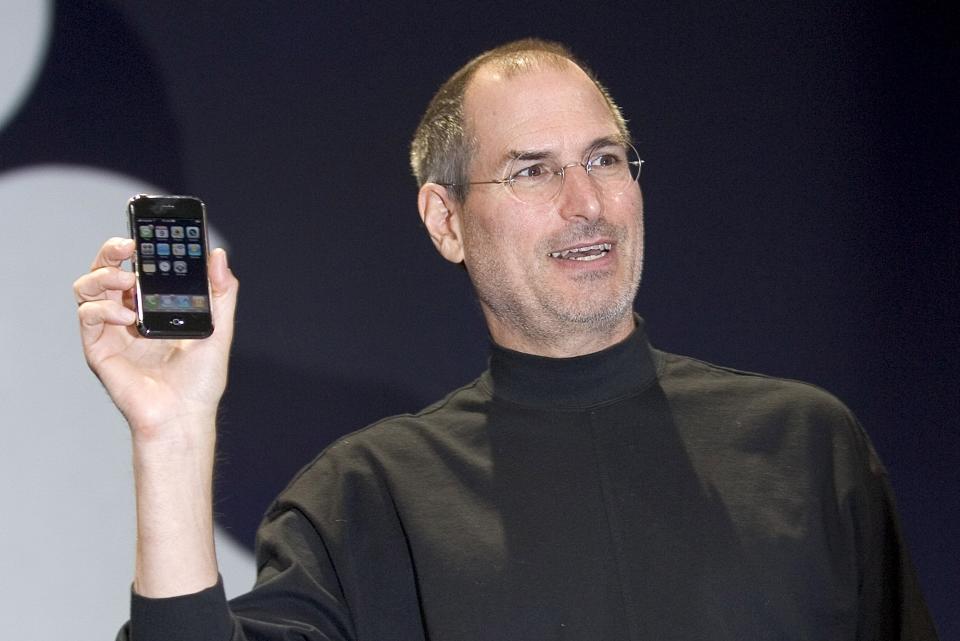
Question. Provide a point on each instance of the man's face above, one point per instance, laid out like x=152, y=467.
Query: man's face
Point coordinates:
x=534, y=297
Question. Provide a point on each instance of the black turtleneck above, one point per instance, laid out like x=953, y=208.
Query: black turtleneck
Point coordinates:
x=582, y=381
x=627, y=494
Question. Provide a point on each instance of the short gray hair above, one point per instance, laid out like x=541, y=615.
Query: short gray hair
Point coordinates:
x=440, y=151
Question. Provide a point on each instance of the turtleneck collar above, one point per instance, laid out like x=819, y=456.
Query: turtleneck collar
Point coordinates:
x=581, y=381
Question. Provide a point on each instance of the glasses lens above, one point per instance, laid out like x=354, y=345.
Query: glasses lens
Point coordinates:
x=614, y=166
x=533, y=181
x=634, y=163
x=536, y=181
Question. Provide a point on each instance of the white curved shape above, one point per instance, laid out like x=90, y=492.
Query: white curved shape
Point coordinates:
x=24, y=38
x=67, y=492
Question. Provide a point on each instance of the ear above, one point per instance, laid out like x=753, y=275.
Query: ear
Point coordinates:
x=439, y=211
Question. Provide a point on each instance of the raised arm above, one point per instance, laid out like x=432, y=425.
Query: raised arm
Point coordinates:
x=169, y=391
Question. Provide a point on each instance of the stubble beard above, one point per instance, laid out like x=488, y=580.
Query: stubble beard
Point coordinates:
x=555, y=314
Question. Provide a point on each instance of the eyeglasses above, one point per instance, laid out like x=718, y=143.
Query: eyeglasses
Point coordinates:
x=534, y=179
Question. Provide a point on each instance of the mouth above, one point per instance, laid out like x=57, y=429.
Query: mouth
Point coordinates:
x=587, y=253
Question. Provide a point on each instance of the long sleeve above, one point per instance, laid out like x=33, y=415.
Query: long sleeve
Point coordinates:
x=297, y=594
x=203, y=615
x=892, y=607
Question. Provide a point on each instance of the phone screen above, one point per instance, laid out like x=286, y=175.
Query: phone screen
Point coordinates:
x=173, y=294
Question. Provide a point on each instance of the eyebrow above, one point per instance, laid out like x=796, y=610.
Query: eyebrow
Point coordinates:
x=539, y=154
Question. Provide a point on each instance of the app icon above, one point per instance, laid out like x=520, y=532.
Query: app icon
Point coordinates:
x=194, y=249
x=168, y=301
x=193, y=233
x=176, y=232
x=183, y=302
x=149, y=267
x=146, y=249
x=151, y=302
x=180, y=266
x=179, y=249
x=146, y=231
x=199, y=302
x=163, y=249
x=161, y=232
x=164, y=265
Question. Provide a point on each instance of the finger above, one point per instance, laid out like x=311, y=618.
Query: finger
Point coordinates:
x=113, y=252
x=96, y=315
x=96, y=284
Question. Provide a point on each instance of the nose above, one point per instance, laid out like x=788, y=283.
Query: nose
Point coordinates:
x=579, y=194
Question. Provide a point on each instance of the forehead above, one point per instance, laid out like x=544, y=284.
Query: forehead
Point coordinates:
x=546, y=108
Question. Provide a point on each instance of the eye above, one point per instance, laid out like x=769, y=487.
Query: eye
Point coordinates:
x=605, y=160
x=535, y=172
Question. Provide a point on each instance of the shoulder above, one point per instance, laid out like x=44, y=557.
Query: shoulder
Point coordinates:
x=757, y=412
x=782, y=423
x=399, y=442
x=686, y=378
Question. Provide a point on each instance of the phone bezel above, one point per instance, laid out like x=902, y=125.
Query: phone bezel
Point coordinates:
x=169, y=324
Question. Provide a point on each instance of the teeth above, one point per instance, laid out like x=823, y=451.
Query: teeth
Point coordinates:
x=591, y=257
x=570, y=254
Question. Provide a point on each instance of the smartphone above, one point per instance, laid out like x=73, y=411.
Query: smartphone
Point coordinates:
x=172, y=291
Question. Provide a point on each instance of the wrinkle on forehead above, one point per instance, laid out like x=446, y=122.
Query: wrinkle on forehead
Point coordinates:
x=547, y=108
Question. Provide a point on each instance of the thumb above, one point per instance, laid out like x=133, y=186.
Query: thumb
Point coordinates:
x=223, y=287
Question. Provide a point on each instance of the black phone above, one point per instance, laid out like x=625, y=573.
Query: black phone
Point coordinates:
x=172, y=290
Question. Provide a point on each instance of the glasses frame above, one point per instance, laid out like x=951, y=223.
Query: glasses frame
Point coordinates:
x=561, y=171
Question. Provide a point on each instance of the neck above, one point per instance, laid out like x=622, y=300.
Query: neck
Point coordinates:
x=568, y=383
x=566, y=341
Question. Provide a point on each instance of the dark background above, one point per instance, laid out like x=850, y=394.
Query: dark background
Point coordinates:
x=801, y=195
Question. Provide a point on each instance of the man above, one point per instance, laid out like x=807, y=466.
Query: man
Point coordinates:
x=586, y=486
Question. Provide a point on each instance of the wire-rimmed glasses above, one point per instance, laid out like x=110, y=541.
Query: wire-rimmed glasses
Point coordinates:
x=536, y=178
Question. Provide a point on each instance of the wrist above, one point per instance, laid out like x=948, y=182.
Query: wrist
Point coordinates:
x=173, y=476
x=183, y=433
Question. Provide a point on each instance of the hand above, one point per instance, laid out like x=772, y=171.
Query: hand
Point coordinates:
x=156, y=383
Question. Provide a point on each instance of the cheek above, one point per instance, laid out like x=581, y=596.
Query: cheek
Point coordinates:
x=629, y=202
x=483, y=254
x=630, y=208
x=502, y=236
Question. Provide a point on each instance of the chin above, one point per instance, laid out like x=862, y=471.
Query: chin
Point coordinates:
x=598, y=306
x=597, y=317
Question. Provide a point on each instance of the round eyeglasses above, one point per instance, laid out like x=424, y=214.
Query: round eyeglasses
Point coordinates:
x=535, y=178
